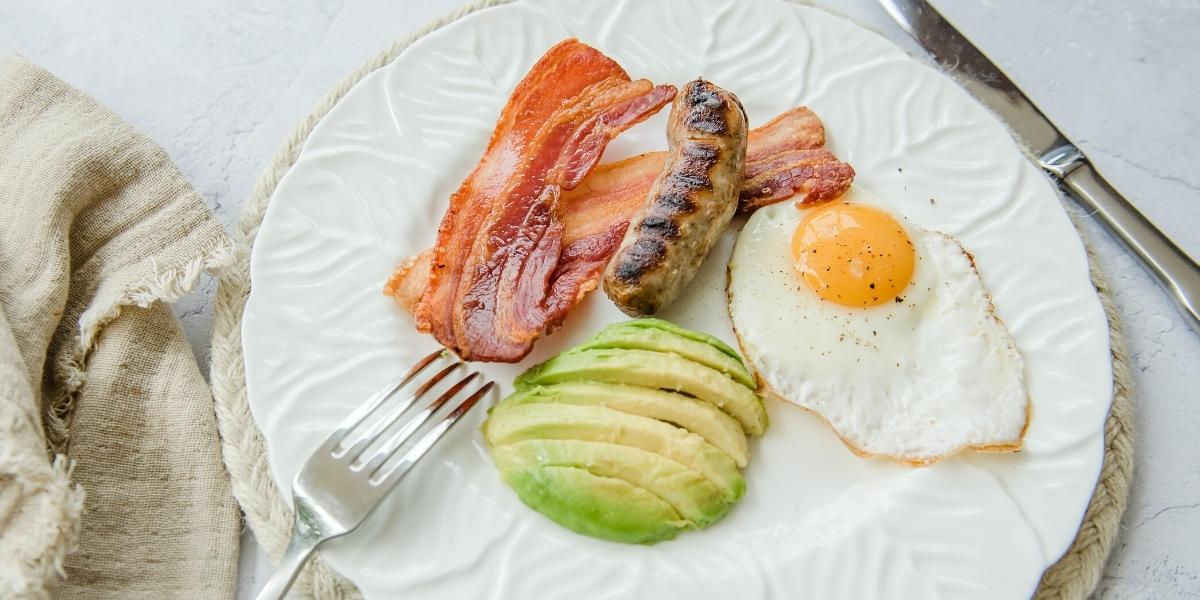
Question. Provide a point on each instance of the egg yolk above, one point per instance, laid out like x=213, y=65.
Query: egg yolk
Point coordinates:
x=853, y=255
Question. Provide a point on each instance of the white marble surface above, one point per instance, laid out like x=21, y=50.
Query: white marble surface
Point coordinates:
x=219, y=84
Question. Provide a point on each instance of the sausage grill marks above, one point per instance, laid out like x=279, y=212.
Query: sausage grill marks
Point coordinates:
x=688, y=206
x=659, y=228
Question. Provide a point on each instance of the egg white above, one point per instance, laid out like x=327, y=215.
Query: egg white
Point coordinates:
x=916, y=379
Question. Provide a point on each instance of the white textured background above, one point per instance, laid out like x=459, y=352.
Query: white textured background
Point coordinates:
x=219, y=84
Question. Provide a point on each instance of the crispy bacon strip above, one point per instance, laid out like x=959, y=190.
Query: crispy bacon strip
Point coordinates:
x=815, y=174
x=495, y=283
x=783, y=157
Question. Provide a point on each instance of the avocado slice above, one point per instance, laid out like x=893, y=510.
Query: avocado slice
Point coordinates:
x=661, y=370
x=601, y=507
x=641, y=336
x=652, y=323
x=696, y=416
x=508, y=423
x=695, y=498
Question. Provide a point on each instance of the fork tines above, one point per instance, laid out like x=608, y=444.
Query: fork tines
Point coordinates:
x=363, y=440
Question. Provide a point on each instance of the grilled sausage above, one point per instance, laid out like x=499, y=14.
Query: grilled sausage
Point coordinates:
x=689, y=205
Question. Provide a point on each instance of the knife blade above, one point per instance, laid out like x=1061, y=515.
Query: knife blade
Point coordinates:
x=1177, y=272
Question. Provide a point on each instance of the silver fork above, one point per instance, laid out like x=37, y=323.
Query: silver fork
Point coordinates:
x=341, y=484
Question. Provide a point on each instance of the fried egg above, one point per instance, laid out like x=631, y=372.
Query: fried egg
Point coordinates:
x=882, y=328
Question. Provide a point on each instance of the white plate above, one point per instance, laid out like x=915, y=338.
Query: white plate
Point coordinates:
x=817, y=522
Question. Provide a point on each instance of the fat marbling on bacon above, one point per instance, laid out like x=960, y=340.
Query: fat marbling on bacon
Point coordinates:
x=786, y=157
x=500, y=274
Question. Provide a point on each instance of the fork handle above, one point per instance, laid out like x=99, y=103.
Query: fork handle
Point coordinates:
x=299, y=548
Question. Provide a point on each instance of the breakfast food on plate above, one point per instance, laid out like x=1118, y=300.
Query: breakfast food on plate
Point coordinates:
x=499, y=274
x=882, y=328
x=689, y=204
x=784, y=157
x=633, y=436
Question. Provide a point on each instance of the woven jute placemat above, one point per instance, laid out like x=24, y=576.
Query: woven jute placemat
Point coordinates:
x=269, y=515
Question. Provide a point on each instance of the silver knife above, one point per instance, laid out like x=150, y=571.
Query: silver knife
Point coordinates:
x=1175, y=270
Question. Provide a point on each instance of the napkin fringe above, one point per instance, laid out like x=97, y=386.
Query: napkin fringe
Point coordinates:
x=165, y=285
x=55, y=522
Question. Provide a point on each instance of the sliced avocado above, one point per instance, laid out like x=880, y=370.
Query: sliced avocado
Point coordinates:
x=695, y=498
x=508, y=423
x=652, y=323
x=601, y=507
x=661, y=370
x=696, y=416
x=634, y=336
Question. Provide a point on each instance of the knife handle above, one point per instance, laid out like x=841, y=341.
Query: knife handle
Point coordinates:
x=1177, y=272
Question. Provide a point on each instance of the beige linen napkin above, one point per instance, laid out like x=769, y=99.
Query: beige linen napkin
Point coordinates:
x=111, y=479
